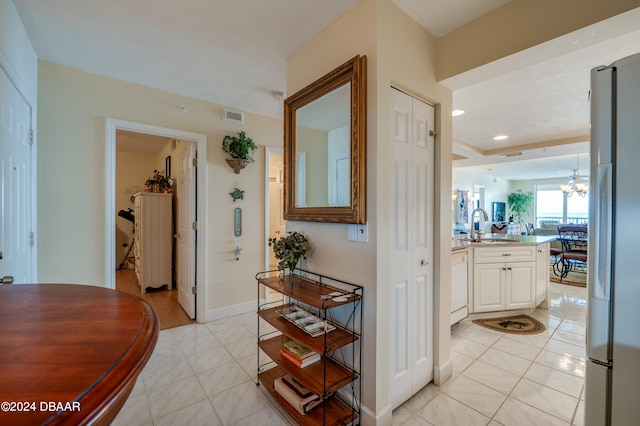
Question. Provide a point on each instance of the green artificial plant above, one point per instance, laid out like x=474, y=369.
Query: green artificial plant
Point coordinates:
x=519, y=202
x=289, y=248
x=240, y=146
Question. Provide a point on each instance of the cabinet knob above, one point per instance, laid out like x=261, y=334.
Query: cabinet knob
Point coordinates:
x=423, y=262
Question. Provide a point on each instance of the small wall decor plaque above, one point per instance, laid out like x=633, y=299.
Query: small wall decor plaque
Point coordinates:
x=237, y=194
x=237, y=221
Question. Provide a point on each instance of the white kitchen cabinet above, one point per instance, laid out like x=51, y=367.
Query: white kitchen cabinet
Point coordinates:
x=488, y=287
x=542, y=272
x=459, y=286
x=153, y=244
x=500, y=285
x=520, y=284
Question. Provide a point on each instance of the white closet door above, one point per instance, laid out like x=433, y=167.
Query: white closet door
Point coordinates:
x=412, y=247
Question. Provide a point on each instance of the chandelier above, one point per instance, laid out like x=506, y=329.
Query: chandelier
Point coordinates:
x=575, y=185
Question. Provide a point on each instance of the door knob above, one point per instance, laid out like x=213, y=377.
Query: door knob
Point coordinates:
x=7, y=279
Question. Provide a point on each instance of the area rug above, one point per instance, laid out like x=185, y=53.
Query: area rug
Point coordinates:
x=576, y=278
x=517, y=324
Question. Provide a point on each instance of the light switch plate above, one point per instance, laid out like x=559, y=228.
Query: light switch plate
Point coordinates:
x=352, y=233
x=363, y=233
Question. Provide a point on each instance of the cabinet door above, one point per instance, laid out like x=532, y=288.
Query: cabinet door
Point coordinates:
x=488, y=287
x=542, y=273
x=520, y=285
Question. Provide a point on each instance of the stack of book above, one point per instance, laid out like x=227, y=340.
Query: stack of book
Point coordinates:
x=298, y=354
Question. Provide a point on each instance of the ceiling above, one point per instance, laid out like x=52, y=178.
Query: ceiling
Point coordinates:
x=234, y=53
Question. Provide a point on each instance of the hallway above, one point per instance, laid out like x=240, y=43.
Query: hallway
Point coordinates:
x=164, y=302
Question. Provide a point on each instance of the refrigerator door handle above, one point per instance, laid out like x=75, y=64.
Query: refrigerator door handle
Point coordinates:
x=603, y=235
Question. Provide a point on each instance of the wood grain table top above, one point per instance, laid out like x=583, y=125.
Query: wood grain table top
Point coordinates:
x=70, y=354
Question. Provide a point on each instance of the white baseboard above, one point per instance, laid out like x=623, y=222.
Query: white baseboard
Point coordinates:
x=442, y=372
x=383, y=417
x=229, y=311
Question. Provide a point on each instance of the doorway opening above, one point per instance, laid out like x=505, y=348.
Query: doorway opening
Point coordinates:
x=275, y=225
x=176, y=155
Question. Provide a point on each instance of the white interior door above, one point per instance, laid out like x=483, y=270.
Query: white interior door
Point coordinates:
x=185, y=234
x=16, y=215
x=412, y=247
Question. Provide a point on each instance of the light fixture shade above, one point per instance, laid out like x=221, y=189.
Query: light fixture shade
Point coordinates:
x=575, y=185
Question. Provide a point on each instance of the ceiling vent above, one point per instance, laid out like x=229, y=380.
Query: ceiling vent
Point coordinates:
x=230, y=115
x=511, y=154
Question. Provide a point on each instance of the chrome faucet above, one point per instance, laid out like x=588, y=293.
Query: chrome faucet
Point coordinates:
x=476, y=238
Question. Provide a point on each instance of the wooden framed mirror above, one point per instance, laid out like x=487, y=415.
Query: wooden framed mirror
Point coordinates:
x=325, y=148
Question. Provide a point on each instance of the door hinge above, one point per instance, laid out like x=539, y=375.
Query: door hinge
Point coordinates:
x=31, y=136
x=194, y=290
x=194, y=226
x=32, y=238
x=194, y=162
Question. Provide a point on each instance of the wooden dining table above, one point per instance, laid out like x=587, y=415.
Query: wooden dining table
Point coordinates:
x=70, y=354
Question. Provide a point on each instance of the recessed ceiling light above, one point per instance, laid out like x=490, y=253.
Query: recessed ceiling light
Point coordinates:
x=457, y=112
x=500, y=137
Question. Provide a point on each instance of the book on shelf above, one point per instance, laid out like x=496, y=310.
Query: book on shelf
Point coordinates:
x=298, y=350
x=299, y=362
x=298, y=396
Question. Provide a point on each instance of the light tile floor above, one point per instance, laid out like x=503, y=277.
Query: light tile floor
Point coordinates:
x=505, y=379
x=204, y=374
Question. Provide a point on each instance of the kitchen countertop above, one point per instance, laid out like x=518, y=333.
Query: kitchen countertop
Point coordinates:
x=500, y=240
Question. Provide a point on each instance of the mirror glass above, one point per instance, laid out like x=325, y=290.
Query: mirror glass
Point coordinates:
x=325, y=147
x=323, y=154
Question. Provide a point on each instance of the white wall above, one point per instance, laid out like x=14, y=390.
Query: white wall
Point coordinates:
x=495, y=189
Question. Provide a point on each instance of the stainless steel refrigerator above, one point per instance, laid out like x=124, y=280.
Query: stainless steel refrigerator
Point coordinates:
x=612, y=381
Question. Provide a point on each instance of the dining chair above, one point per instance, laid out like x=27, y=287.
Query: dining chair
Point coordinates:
x=574, y=249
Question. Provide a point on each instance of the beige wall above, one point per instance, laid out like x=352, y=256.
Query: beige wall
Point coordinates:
x=399, y=52
x=71, y=176
x=315, y=143
x=519, y=25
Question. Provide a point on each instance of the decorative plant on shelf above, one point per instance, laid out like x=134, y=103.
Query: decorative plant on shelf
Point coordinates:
x=159, y=183
x=240, y=148
x=519, y=202
x=289, y=248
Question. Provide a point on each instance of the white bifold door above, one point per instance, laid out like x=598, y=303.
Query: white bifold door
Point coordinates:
x=412, y=136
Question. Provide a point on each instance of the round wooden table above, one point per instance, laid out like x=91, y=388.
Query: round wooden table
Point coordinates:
x=70, y=354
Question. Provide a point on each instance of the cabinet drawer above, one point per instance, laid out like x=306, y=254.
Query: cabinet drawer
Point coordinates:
x=508, y=253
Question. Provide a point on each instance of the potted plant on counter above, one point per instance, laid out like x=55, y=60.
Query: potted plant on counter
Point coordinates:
x=240, y=148
x=289, y=248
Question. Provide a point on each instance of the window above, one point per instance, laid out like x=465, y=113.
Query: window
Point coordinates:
x=554, y=207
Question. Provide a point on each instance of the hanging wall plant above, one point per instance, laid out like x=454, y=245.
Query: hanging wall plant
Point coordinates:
x=240, y=148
